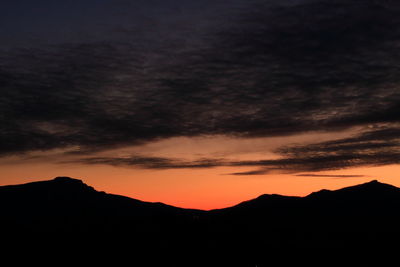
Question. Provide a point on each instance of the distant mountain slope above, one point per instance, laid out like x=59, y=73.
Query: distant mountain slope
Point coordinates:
x=367, y=194
x=69, y=205
x=365, y=205
x=365, y=217
x=67, y=191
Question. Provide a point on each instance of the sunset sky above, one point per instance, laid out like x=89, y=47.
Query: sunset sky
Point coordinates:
x=200, y=104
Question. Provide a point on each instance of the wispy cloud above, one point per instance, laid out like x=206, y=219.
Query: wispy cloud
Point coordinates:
x=149, y=162
x=330, y=176
x=372, y=148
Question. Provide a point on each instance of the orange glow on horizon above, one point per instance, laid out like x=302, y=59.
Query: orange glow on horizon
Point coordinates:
x=200, y=189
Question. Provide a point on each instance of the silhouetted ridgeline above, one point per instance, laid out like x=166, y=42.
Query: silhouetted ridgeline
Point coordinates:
x=62, y=211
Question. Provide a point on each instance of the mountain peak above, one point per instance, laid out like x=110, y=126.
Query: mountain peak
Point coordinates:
x=371, y=188
x=374, y=184
x=70, y=183
x=64, y=179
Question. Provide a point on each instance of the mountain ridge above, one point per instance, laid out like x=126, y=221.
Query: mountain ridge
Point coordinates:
x=68, y=182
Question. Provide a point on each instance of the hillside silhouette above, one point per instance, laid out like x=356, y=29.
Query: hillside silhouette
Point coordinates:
x=62, y=211
x=66, y=204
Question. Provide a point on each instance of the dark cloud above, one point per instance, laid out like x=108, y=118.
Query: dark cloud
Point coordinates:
x=261, y=68
x=149, y=162
x=255, y=172
x=312, y=65
x=330, y=176
x=372, y=148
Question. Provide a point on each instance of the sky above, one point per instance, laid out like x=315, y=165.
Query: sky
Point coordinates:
x=200, y=104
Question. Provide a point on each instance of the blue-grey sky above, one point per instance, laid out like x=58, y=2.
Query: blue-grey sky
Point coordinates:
x=27, y=23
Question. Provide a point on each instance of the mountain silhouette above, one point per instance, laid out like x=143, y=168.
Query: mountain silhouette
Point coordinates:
x=368, y=195
x=68, y=205
x=62, y=211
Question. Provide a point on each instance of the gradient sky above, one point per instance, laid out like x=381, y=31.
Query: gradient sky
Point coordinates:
x=200, y=104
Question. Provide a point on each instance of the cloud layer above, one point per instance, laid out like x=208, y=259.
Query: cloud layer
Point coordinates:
x=250, y=69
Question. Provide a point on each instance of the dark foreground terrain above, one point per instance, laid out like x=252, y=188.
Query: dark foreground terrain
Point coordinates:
x=67, y=217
